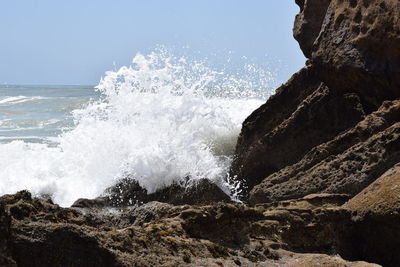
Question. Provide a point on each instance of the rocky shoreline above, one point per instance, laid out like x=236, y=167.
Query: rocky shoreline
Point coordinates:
x=319, y=163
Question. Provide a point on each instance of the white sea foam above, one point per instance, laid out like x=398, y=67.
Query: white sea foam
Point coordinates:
x=11, y=100
x=160, y=120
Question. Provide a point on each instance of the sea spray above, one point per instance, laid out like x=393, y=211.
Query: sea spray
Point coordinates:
x=162, y=119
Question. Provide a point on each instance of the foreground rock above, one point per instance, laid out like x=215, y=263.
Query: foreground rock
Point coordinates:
x=377, y=208
x=157, y=234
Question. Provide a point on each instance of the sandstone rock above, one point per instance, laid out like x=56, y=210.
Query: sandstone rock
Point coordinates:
x=353, y=47
x=213, y=235
x=144, y=213
x=355, y=44
x=271, y=140
x=346, y=164
x=316, y=260
x=308, y=23
x=381, y=198
x=376, y=213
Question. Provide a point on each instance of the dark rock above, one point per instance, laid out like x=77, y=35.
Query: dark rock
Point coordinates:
x=308, y=23
x=128, y=192
x=358, y=48
x=198, y=192
x=263, y=149
x=59, y=245
x=5, y=222
x=346, y=164
x=376, y=211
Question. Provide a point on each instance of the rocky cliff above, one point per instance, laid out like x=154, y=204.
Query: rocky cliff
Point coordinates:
x=333, y=127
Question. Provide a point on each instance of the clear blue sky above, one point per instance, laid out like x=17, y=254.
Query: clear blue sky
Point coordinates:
x=76, y=41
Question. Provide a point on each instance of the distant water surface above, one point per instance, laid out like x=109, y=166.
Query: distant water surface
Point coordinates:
x=39, y=113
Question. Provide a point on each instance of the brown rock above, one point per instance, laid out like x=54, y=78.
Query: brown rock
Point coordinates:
x=271, y=140
x=353, y=48
x=5, y=222
x=382, y=197
x=308, y=23
x=356, y=47
x=376, y=213
x=317, y=260
x=346, y=164
x=219, y=234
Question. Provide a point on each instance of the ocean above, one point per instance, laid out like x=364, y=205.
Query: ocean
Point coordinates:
x=40, y=113
x=162, y=119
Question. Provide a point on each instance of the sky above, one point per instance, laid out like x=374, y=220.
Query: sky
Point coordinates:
x=76, y=41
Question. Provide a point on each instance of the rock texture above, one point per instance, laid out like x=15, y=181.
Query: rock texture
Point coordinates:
x=5, y=255
x=376, y=210
x=346, y=164
x=318, y=130
x=381, y=198
x=221, y=234
x=354, y=44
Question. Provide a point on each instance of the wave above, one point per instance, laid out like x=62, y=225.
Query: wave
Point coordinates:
x=162, y=119
x=11, y=100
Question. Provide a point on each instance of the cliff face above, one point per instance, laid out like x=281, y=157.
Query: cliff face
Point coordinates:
x=308, y=137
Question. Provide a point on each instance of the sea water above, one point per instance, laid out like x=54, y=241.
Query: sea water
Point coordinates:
x=160, y=120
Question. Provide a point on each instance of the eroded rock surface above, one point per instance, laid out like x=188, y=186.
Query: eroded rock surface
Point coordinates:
x=346, y=164
x=221, y=234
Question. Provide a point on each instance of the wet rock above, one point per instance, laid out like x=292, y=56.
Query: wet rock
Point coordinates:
x=198, y=192
x=128, y=192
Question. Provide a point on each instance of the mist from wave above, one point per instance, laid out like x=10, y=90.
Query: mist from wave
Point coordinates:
x=160, y=120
